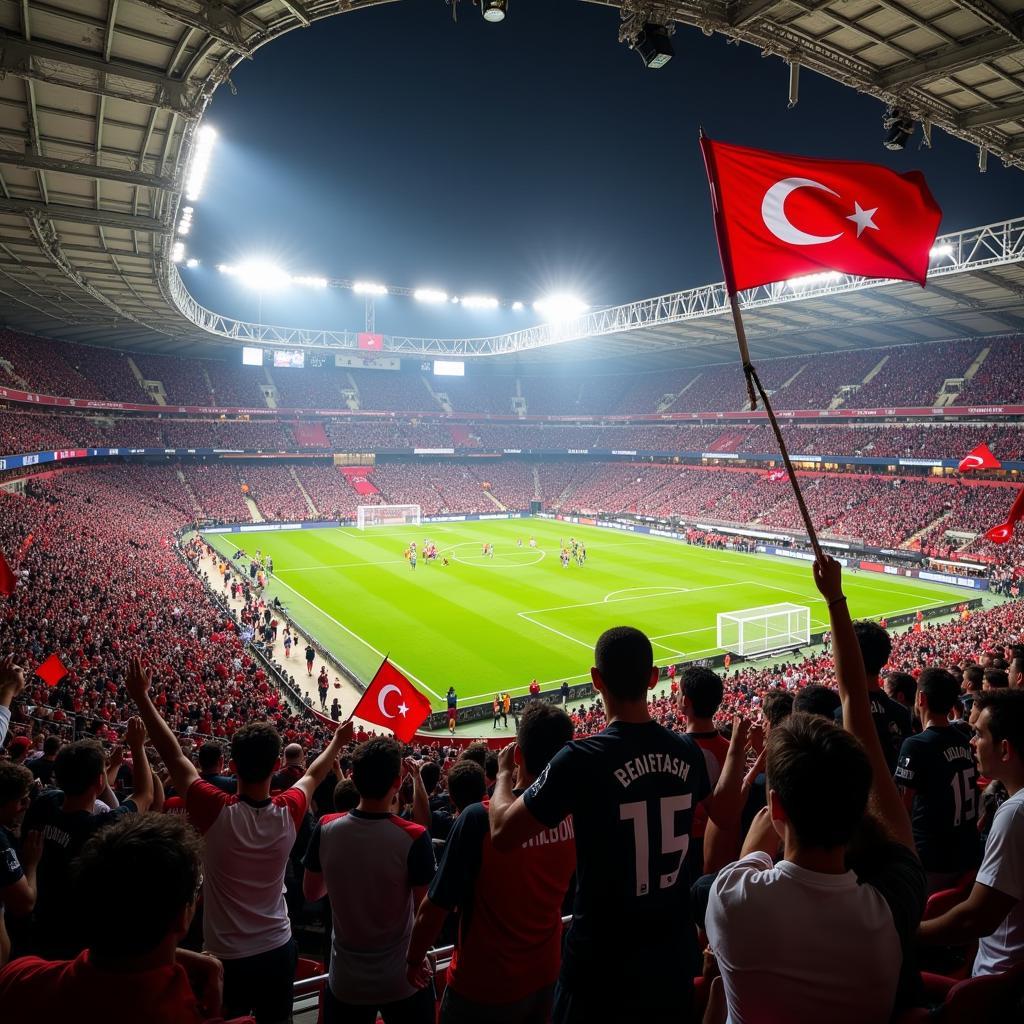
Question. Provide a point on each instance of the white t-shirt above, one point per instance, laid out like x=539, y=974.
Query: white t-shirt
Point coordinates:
x=1003, y=868
x=805, y=947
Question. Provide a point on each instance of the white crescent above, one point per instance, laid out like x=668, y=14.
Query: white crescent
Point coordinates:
x=385, y=690
x=973, y=461
x=773, y=212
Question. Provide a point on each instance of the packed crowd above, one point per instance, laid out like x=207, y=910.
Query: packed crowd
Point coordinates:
x=912, y=375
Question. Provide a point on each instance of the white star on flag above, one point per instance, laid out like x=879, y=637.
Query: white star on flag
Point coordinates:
x=403, y=709
x=862, y=218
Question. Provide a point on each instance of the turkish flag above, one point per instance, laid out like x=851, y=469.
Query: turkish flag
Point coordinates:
x=52, y=671
x=775, y=475
x=26, y=544
x=979, y=458
x=393, y=702
x=8, y=581
x=779, y=217
x=1004, y=531
x=371, y=342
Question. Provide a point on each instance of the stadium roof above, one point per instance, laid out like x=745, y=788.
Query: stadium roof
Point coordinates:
x=100, y=101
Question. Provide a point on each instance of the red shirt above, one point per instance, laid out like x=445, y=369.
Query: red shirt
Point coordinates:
x=714, y=746
x=34, y=990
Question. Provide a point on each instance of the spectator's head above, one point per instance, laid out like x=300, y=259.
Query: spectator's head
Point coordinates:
x=377, y=768
x=294, y=756
x=79, y=769
x=15, y=786
x=902, y=687
x=346, y=796
x=999, y=736
x=817, y=699
x=776, y=707
x=938, y=691
x=19, y=748
x=491, y=769
x=623, y=665
x=818, y=780
x=255, y=750
x=543, y=730
x=700, y=692
x=51, y=747
x=875, y=646
x=995, y=679
x=138, y=881
x=430, y=773
x=974, y=676
x=211, y=758
x=467, y=784
x=475, y=752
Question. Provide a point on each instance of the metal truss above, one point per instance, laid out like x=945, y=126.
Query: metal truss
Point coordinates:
x=974, y=249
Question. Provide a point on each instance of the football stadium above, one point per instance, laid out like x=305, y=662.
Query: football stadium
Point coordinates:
x=511, y=511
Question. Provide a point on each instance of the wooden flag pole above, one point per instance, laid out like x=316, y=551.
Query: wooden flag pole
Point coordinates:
x=801, y=504
x=741, y=337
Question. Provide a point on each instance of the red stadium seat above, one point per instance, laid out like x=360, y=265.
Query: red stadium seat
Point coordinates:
x=989, y=999
x=945, y=899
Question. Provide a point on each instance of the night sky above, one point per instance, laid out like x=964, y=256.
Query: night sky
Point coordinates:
x=510, y=160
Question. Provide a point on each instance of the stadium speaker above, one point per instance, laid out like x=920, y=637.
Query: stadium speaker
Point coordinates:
x=654, y=46
x=536, y=506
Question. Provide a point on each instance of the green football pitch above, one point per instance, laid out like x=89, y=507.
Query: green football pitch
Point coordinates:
x=484, y=624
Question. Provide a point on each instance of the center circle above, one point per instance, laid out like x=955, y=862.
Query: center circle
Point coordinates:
x=510, y=558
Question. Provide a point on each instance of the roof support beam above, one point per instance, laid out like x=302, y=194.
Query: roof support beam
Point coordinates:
x=993, y=115
x=215, y=18
x=22, y=60
x=48, y=163
x=1012, y=26
x=947, y=60
x=740, y=13
x=83, y=215
x=299, y=10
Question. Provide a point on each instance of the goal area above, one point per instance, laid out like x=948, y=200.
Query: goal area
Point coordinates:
x=368, y=516
x=764, y=630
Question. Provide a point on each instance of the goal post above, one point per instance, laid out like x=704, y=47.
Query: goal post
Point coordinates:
x=773, y=627
x=368, y=516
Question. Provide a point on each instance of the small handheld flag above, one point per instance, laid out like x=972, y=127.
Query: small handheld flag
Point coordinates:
x=1003, y=533
x=392, y=702
x=52, y=671
x=979, y=458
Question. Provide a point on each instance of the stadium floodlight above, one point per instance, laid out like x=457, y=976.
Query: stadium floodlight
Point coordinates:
x=205, y=138
x=369, y=288
x=260, y=275
x=177, y=252
x=185, y=224
x=560, y=307
x=494, y=11
x=938, y=251
x=429, y=295
x=813, y=280
x=310, y=282
x=480, y=302
x=517, y=306
x=654, y=46
x=192, y=263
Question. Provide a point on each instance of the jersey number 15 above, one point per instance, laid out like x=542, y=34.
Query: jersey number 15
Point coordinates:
x=668, y=808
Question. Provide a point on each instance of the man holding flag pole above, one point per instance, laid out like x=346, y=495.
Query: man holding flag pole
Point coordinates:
x=777, y=217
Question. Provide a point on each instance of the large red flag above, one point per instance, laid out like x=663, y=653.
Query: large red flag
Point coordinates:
x=779, y=217
x=979, y=458
x=370, y=342
x=393, y=702
x=8, y=581
x=1004, y=531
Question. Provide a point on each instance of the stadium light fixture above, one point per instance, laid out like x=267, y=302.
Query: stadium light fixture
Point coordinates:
x=813, y=280
x=429, y=295
x=494, y=11
x=260, y=275
x=517, y=306
x=939, y=251
x=205, y=138
x=192, y=263
x=480, y=302
x=310, y=282
x=654, y=46
x=560, y=307
x=177, y=252
x=369, y=288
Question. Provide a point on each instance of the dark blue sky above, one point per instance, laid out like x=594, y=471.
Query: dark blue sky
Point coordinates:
x=391, y=144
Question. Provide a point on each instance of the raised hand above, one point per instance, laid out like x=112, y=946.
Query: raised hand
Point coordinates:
x=116, y=757
x=828, y=578
x=135, y=734
x=12, y=679
x=740, y=731
x=420, y=974
x=506, y=759
x=31, y=849
x=757, y=738
x=343, y=734
x=138, y=681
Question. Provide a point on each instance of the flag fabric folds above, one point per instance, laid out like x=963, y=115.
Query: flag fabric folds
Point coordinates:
x=779, y=217
x=52, y=671
x=1003, y=533
x=392, y=702
x=8, y=581
x=979, y=458
x=775, y=475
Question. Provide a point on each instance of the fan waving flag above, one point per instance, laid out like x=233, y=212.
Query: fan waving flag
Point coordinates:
x=1003, y=533
x=779, y=217
x=8, y=581
x=979, y=458
x=52, y=671
x=393, y=702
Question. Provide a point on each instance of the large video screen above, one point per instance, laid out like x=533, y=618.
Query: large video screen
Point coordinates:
x=296, y=360
x=449, y=368
x=252, y=356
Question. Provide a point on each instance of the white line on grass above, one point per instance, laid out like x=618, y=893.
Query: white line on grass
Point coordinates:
x=365, y=643
x=525, y=615
x=641, y=597
x=648, y=590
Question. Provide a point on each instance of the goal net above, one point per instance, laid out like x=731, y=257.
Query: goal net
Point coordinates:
x=387, y=515
x=774, y=627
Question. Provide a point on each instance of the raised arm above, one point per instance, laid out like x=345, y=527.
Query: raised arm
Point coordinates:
x=12, y=682
x=317, y=771
x=142, y=773
x=725, y=805
x=885, y=802
x=512, y=822
x=182, y=771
